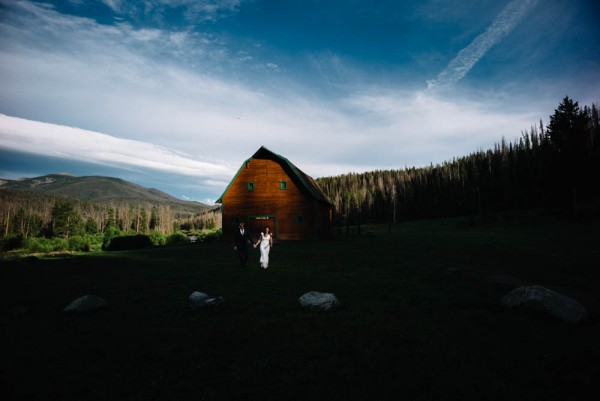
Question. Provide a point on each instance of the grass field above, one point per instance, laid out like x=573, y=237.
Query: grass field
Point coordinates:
x=420, y=319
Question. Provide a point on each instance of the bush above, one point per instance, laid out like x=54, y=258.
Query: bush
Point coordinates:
x=95, y=241
x=157, y=238
x=76, y=243
x=129, y=242
x=110, y=233
x=79, y=243
x=210, y=235
x=46, y=245
x=177, y=239
x=60, y=244
x=10, y=243
x=39, y=245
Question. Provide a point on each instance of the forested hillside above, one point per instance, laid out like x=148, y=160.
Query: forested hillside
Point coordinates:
x=554, y=168
x=32, y=214
x=100, y=189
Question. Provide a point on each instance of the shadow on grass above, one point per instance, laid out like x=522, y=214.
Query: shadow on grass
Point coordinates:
x=420, y=319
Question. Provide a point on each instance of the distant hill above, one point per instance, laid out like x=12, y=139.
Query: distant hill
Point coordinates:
x=106, y=190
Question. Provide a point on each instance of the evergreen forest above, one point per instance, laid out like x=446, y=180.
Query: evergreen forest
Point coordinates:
x=554, y=169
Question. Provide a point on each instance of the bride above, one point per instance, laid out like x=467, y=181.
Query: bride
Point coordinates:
x=266, y=243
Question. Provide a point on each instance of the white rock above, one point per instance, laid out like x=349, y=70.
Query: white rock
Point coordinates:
x=86, y=303
x=214, y=302
x=538, y=297
x=199, y=296
x=319, y=300
x=197, y=299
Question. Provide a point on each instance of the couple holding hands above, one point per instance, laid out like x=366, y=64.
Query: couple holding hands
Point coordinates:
x=242, y=239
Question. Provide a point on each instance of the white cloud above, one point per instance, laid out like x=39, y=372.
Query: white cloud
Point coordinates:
x=74, y=143
x=418, y=128
x=115, y=5
x=195, y=11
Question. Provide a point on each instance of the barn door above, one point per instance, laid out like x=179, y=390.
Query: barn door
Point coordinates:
x=257, y=224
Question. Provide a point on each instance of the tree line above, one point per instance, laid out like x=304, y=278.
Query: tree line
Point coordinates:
x=30, y=214
x=554, y=168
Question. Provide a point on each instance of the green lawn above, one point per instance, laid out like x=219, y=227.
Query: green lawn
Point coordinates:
x=420, y=319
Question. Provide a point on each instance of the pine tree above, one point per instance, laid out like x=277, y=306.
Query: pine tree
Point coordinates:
x=568, y=132
x=65, y=220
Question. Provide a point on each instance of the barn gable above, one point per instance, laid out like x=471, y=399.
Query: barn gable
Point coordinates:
x=285, y=198
x=302, y=178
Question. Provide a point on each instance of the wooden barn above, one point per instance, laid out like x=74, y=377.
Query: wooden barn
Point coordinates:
x=268, y=190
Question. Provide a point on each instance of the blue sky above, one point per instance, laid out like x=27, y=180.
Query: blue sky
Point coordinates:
x=176, y=94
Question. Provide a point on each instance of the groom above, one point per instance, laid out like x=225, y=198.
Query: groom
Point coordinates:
x=242, y=238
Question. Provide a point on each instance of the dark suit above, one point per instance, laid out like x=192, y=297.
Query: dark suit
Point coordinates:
x=241, y=244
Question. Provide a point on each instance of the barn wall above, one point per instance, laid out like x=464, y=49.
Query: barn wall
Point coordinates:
x=267, y=199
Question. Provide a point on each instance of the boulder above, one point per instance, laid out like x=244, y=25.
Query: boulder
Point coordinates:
x=214, y=302
x=86, y=303
x=540, y=298
x=319, y=300
x=199, y=300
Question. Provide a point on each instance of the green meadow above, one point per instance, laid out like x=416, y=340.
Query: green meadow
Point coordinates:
x=420, y=318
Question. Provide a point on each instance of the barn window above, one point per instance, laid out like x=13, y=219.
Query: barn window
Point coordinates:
x=283, y=185
x=250, y=186
x=299, y=219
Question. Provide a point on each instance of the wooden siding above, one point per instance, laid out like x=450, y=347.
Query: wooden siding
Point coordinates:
x=278, y=207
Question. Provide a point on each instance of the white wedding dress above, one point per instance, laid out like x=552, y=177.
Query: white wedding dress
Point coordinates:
x=265, y=247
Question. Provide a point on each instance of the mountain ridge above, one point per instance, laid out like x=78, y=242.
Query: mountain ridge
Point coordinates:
x=101, y=189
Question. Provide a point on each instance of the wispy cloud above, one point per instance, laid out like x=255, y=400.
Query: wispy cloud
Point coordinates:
x=415, y=128
x=467, y=57
x=154, y=10
x=88, y=146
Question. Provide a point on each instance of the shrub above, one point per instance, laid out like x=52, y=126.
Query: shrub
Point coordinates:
x=177, y=239
x=60, y=244
x=110, y=233
x=157, y=238
x=39, y=245
x=10, y=243
x=79, y=243
x=46, y=245
x=95, y=241
x=210, y=235
x=129, y=242
x=75, y=243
